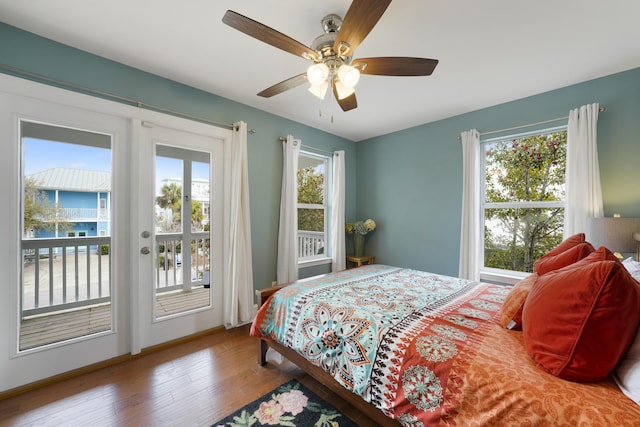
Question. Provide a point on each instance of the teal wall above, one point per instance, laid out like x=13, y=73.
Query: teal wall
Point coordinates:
x=34, y=54
x=410, y=181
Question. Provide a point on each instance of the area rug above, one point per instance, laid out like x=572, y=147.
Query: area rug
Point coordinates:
x=291, y=404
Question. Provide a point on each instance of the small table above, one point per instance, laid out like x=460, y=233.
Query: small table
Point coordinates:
x=357, y=261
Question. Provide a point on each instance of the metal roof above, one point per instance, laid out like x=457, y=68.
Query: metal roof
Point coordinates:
x=73, y=180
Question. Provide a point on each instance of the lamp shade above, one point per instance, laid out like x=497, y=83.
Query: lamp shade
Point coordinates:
x=319, y=90
x=342, y=90
x=616, y=234
x=317, y=74
x=348, y=75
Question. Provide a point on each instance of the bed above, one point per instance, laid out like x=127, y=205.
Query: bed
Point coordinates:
x=421, y=349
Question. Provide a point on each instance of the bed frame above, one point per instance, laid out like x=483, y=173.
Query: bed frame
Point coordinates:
x=317, y=373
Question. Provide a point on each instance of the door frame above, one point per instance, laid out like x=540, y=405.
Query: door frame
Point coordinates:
x=20, y=369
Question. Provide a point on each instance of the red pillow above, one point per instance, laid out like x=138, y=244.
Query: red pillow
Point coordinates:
x=554, y=261
x=579, y=321
x=511, y=311
x=600, y=254
x=568, y=243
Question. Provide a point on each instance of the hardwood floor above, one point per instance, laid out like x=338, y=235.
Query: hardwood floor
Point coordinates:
x=190, y=384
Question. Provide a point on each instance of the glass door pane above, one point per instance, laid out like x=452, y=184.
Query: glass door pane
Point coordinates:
x=66, y=234
x=182, y=232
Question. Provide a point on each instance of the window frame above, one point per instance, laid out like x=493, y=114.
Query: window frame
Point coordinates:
x=324, y=258
x=497, y=274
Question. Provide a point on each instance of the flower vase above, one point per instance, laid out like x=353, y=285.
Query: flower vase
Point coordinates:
x=358, y=244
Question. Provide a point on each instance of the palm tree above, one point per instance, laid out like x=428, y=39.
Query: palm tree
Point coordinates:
x=171, y=198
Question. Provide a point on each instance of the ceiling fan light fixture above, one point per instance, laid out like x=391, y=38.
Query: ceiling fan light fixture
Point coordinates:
x=348, y=75
x=317, y=74
x=342, y=90
x=319, y=90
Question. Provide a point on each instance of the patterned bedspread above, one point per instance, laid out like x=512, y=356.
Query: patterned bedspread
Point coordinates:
x=428, y=349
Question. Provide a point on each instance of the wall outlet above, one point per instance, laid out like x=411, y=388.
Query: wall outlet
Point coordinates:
x=274, y=283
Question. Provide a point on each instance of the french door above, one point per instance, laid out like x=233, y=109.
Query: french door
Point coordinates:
x=140, y=240
x=180, y=232
x=63, y=258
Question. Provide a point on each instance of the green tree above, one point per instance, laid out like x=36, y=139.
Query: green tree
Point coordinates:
x=196, y=215
x=530, y=169
x=311, y=192
x=39, y=212
x=171, y=198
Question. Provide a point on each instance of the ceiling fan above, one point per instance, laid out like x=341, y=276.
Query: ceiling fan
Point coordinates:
x=332, y=53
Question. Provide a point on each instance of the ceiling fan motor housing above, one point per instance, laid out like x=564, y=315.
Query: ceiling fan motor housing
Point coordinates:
x=323, y=44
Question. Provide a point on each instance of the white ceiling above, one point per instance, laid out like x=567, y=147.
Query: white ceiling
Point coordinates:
x=490, y=51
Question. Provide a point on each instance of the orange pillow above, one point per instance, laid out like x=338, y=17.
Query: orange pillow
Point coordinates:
x=600, y=254
x=554, y=261
x=579, y=321
x=511, y=311
x=568, y=243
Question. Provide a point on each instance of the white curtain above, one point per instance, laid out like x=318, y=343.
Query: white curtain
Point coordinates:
x=582, y=183
x=287, y=270
x=470, y=225
x=338, y=251
x=238, y=291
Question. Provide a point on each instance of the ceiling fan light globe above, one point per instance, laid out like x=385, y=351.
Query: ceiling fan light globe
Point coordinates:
x=348, y=75
x=317, y=74
x=342, y=90
x=319, y=90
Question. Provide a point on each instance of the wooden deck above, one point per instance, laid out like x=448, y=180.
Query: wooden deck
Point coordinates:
x=47, y=329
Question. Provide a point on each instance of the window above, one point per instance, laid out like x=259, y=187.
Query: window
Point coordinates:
x=312, y=207
x=523, y=198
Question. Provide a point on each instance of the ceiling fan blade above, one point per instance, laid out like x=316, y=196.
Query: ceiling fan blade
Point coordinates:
x=395, y=66
x=268, y=35
x=284, y=86
x=348, y=103
x=360, y=19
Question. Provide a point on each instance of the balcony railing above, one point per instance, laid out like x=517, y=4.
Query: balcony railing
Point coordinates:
x=65, y=273
x=75, y=214
x=169, y=261
x=310, y=244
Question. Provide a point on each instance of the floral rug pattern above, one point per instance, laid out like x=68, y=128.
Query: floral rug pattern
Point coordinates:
x=291, y=404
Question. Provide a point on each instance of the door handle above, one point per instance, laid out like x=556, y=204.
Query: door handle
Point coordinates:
x=145, y=250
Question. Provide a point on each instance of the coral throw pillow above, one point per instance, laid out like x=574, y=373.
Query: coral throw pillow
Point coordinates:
x=600, y=254
x=568, y=243
x=579, y=321
x=550, y=262
x=511, y=311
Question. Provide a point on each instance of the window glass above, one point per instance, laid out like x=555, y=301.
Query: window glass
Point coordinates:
x=65, y=289
x=523, y=198
x=312, y=207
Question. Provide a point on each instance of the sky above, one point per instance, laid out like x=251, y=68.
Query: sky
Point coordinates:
x=40, y=155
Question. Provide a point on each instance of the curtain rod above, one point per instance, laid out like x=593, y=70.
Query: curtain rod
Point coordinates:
x=601, y=110
x=284, y=138
x=113, y=97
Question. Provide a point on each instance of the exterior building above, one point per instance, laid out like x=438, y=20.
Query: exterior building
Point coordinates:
x=83, y=198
